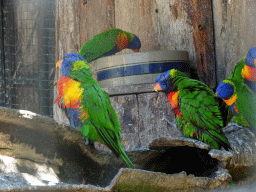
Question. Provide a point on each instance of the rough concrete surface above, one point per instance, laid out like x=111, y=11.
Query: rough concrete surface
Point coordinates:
x=38, y=154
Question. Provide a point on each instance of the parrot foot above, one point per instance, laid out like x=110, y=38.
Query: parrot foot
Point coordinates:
x=171, y=123
x=90, y=144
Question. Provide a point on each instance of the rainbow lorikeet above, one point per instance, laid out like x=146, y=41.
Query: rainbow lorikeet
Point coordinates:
x=108, y=43
x=241, y=100
x=89, y=105
x=245, y=70
x=196, y=108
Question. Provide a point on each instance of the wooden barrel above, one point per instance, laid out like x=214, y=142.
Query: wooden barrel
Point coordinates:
x=139, y=68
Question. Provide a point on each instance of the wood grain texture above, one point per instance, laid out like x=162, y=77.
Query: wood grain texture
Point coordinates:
x=152, y=108
x=174, y=25
x=235, y=27
x=137, y=17
x=126, y=108
x=95, y=17
x=67, y=41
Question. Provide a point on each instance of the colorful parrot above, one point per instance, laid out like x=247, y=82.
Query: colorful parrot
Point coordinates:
x=226, y=112
x=108, y=43
x=90, y=106
x=196, y=108
x=245, y=70
x=241, y=100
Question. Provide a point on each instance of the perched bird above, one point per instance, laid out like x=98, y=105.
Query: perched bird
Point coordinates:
x=226, y=112
x=241, y=100
x=196, y=108
x=245, y=70
x=90, y=106
x=108, y=43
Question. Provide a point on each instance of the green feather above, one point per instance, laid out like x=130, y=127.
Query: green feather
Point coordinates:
x=200, y=109
x=101, y=122
x=245, y=103
x=237, y=71
x=102, y=43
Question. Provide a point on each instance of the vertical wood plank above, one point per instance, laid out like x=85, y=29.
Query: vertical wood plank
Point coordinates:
x=67, y=41
x=94, y=18
x=235, y=27
x=137, y=17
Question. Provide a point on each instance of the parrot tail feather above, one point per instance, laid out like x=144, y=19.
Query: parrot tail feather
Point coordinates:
x=109, y=142
x=114, y=145
x=126, y=159
x=226, y=146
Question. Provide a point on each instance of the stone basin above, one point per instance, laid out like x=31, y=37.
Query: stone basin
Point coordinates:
x=39, y=154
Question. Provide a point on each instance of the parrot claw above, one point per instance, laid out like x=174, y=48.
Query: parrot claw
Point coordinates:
x=90, y=143
x=171, y=123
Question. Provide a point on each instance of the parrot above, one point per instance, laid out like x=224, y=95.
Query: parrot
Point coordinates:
x=105, y=44
x=196, y=108
x=108, y=43
x=89, y=105
x=245, y=70
x=241, y=100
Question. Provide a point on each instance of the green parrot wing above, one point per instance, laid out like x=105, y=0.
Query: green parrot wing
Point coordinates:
x=246, y=104
x=199, y=106
x=237, y=71
x=99, y=44
x=103, y=117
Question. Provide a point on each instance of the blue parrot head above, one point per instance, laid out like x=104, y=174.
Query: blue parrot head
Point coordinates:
x=163, y=82
x=68, y=61
x=224, y=90
x=250, y=59
x=135, y=44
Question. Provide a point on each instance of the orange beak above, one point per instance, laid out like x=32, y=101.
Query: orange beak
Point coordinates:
x=136, y=50
x=58, y=64
x=157, y=87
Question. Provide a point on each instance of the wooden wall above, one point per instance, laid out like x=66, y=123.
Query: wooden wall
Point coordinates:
x=160, y=24
x=235, y=33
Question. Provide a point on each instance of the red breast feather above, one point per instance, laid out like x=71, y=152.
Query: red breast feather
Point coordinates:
x=173, y=99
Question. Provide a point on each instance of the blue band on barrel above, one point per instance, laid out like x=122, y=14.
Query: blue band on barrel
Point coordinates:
x=142, y=69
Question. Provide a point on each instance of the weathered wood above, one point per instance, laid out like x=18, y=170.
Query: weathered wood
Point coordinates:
x=152, y=108
x=137, y=17
x=235, y=27
x=94, y=18
x=126, y=108
x=67, y=41
x=175, y=25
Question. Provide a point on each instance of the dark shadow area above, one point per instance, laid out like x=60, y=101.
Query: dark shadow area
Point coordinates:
x=177, y=159
x=242, y=173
